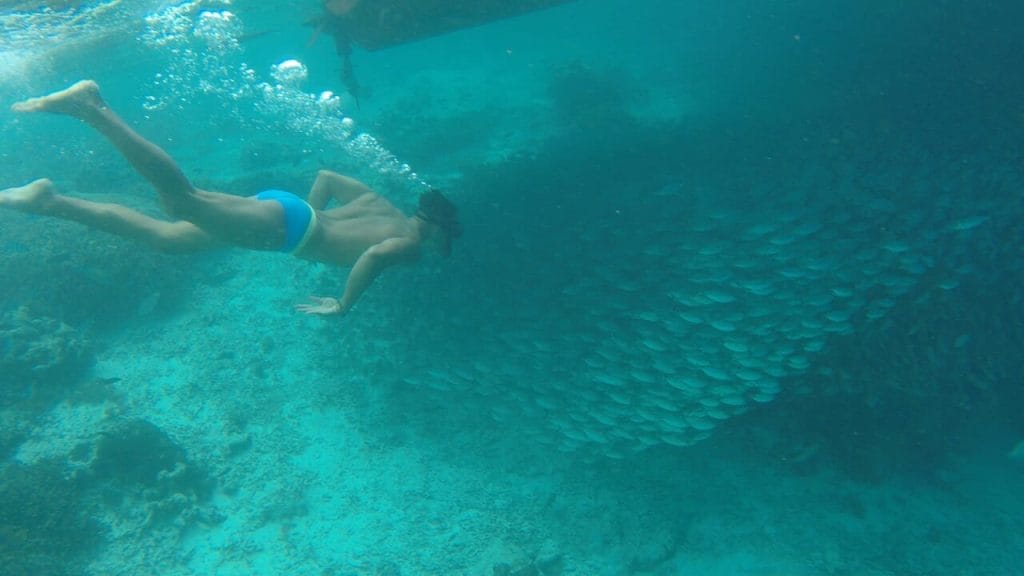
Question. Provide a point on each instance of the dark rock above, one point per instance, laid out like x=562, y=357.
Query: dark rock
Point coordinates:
x=138, y=454
x=238, y=444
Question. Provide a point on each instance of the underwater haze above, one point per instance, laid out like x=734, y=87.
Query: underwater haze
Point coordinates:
x=740, y=292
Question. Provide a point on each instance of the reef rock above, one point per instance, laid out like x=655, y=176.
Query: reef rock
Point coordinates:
x=38, y=351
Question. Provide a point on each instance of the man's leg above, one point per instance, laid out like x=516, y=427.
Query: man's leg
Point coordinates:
x=244, y=222
x=39, y=197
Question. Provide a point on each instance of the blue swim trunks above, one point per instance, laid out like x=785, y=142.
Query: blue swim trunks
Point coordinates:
x=299, y=219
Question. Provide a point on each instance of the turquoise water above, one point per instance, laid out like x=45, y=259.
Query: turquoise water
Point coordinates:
x=739, y=293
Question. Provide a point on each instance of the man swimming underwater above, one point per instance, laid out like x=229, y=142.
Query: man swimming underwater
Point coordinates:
x=363, y=231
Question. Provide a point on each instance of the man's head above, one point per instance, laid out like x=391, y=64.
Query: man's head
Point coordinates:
x=435, y=209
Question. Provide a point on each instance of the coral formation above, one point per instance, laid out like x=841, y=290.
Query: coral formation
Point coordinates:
x=85, y=277
x=38, y=353
x=139, y=466
x=46, y=525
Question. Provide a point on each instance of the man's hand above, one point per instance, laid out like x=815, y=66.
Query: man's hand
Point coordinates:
x=319, y=306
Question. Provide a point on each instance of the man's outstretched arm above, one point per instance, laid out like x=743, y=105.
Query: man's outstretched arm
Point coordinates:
x=331, y=185
x=364, y=272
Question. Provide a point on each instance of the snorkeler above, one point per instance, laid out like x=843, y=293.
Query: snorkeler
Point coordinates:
x=363, y=231
x=335, y=21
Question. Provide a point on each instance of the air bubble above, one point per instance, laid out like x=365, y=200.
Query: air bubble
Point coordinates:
x=290, y=73
x=204, y=54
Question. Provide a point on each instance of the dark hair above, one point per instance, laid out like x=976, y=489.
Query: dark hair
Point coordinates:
x=439, y=211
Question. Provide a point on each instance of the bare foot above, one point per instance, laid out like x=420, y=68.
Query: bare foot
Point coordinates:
x=80, y=98
x=32, y=197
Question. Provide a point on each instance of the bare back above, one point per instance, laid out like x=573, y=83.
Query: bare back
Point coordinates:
x=345, y=232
